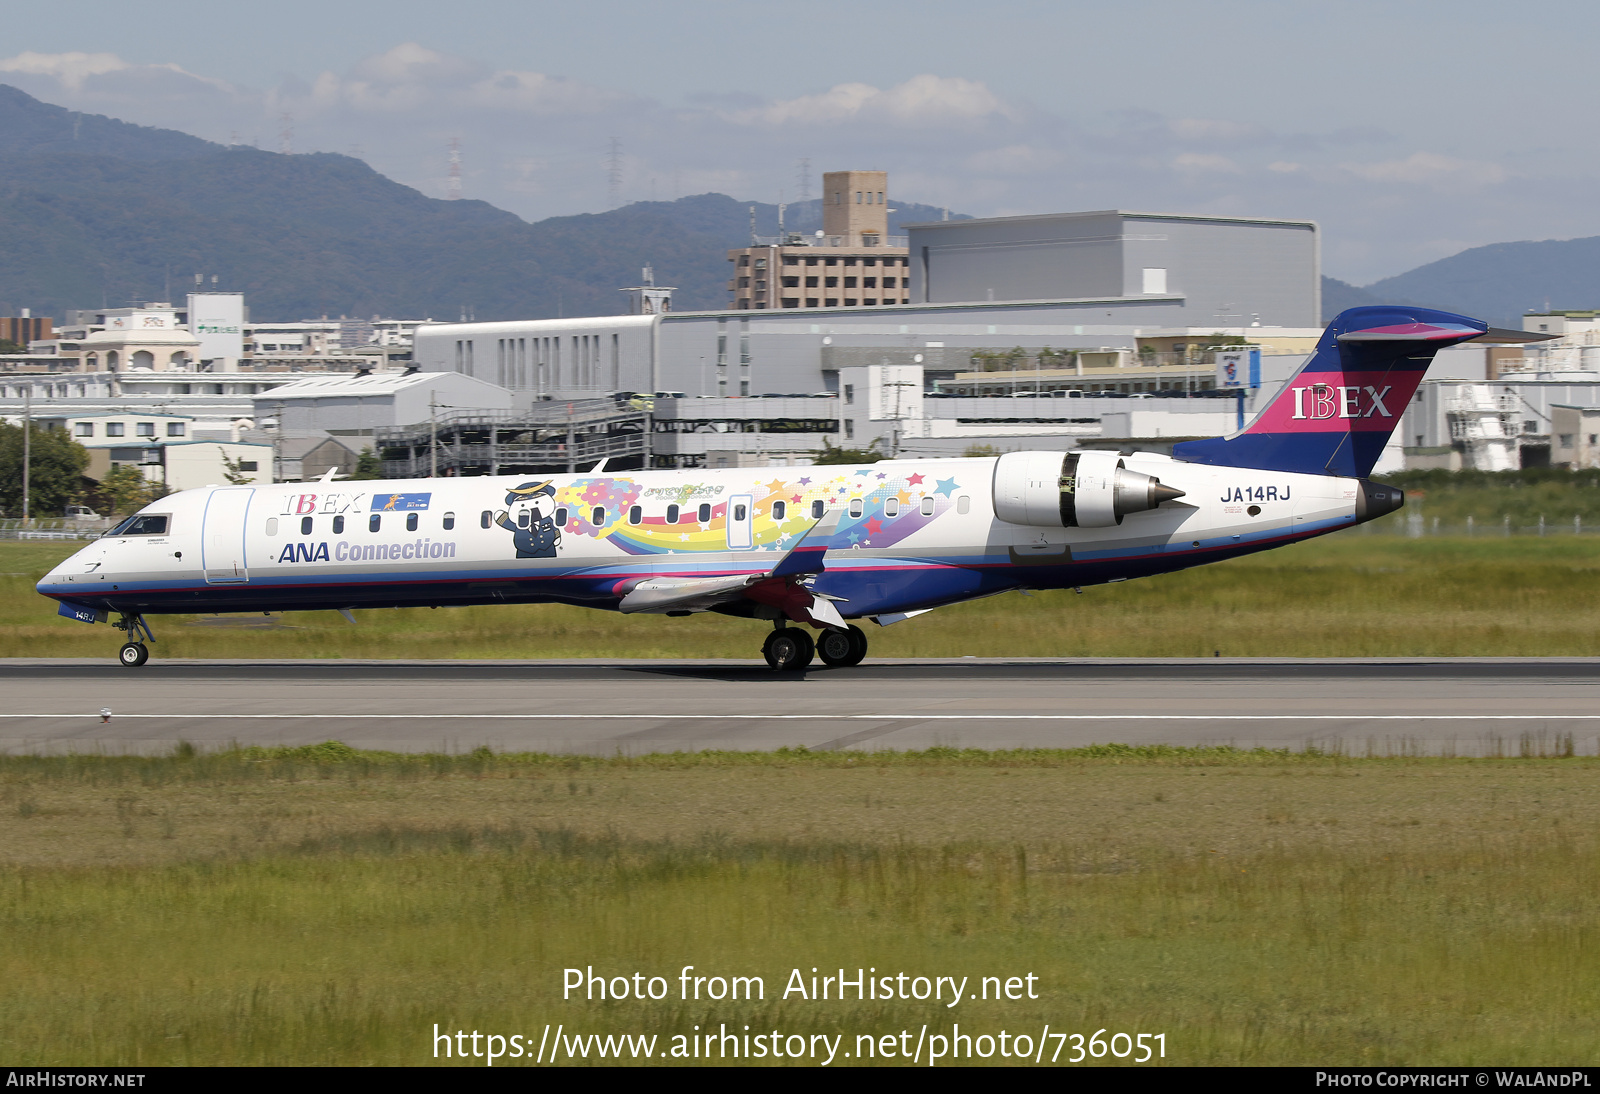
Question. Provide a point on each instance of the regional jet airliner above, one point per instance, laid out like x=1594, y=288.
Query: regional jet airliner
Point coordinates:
x=799, y=547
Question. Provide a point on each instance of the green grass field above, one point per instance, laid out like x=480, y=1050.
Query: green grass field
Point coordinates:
x=321, y=906
x=1349, y=594
x=325, y=906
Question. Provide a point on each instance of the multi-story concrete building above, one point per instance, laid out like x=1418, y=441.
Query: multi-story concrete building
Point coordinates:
x=852, y=262
x=24, y=328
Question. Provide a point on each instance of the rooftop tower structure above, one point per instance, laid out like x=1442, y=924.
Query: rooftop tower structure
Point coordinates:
x=852, y=262
x=855, y=209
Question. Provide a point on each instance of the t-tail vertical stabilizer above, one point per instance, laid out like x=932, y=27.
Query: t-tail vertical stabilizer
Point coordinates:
x=1337, y=413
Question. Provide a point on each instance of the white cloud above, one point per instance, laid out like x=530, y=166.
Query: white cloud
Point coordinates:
x=1212, y=130
x=1430, y=168
x=413, y=79
x=1015, y=159
x=925, y=99
x=1206, y=163
x=73, y=70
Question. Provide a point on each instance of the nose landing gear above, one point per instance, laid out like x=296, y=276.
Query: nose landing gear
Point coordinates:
x=133, y=652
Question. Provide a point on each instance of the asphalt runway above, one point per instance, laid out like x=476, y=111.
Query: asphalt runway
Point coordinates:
x=1463, y=706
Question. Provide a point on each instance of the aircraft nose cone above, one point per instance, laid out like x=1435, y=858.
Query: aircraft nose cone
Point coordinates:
x=1166, y=493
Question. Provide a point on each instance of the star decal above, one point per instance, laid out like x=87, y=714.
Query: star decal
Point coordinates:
x=795, y=499
x=865, y=471
x=805, y=481
x=914, y=480
x=683, y=535
x=946, y=486
x=903, y=497
x=883, y=475
x=874, y=526
x=854, y=537
x=775, y=486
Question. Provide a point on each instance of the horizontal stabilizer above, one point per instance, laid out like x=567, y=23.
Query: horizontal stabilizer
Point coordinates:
x=1500, y=336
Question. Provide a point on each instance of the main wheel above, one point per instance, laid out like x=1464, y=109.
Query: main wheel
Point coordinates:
x=841, y=649
x=133, y=654
x=789, y=649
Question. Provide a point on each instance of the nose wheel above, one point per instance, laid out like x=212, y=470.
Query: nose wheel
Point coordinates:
x=133, y=652
x=788, y=649
x=841, y=649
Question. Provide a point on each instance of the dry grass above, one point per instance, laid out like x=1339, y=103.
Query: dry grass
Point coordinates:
x=321, y=906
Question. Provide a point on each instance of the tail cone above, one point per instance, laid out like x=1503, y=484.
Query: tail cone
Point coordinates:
x=1165, y=493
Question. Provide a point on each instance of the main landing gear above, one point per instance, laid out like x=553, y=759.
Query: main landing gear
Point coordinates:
x=134, y=652
x=790, y=649
x=841, y=649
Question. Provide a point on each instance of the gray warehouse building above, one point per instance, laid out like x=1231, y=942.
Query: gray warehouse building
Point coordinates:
x=1075, y=281
x=1233, y=271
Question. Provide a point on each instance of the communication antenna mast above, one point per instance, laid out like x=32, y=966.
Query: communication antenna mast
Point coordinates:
x=452, y=186
x=802, y=174
x=614, y=173
x=286, y=134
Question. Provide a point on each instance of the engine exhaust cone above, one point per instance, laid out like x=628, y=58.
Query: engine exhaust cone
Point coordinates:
x=1165, y=493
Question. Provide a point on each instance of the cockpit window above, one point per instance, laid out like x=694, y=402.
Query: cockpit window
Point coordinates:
x=144, y=524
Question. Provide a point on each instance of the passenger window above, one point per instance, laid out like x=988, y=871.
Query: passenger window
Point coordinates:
x=891, y=507
x=338, y=526
x=375, y=522
x=484, y=519
x=305, y=526
x=963, y=504
x=449, y=521
x=598, y=517
x=272, y=526
x=927, y=506
x=635, y=514
x=817, y=509
x=561, y=517
x=855, y=507
x=522, y=519
x=738, y=512
x=778, y=510
x=672, y=514
x=411, y=522
x=705, y=514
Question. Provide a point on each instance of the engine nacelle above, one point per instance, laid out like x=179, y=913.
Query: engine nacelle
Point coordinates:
x=1072, y=489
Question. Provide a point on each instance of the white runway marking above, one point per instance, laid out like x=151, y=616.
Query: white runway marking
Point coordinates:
x=899, y=715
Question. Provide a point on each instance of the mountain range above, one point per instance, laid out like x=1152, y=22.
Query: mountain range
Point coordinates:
x=95, y=211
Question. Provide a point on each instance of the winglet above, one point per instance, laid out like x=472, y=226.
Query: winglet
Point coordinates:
x=806, y=557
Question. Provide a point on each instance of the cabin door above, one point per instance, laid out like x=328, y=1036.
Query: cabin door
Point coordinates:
x=222, y=538
x=740, y=522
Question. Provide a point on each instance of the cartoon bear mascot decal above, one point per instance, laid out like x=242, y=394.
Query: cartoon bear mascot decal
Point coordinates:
x=529, y=517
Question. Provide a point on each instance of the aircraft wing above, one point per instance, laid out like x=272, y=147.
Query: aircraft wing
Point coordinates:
x=701, y=594
x=686, y=594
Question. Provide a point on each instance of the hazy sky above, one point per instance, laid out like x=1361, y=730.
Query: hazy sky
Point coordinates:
x=1409, y=130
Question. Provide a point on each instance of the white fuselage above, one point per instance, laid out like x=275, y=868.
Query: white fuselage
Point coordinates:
x=912, y=534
